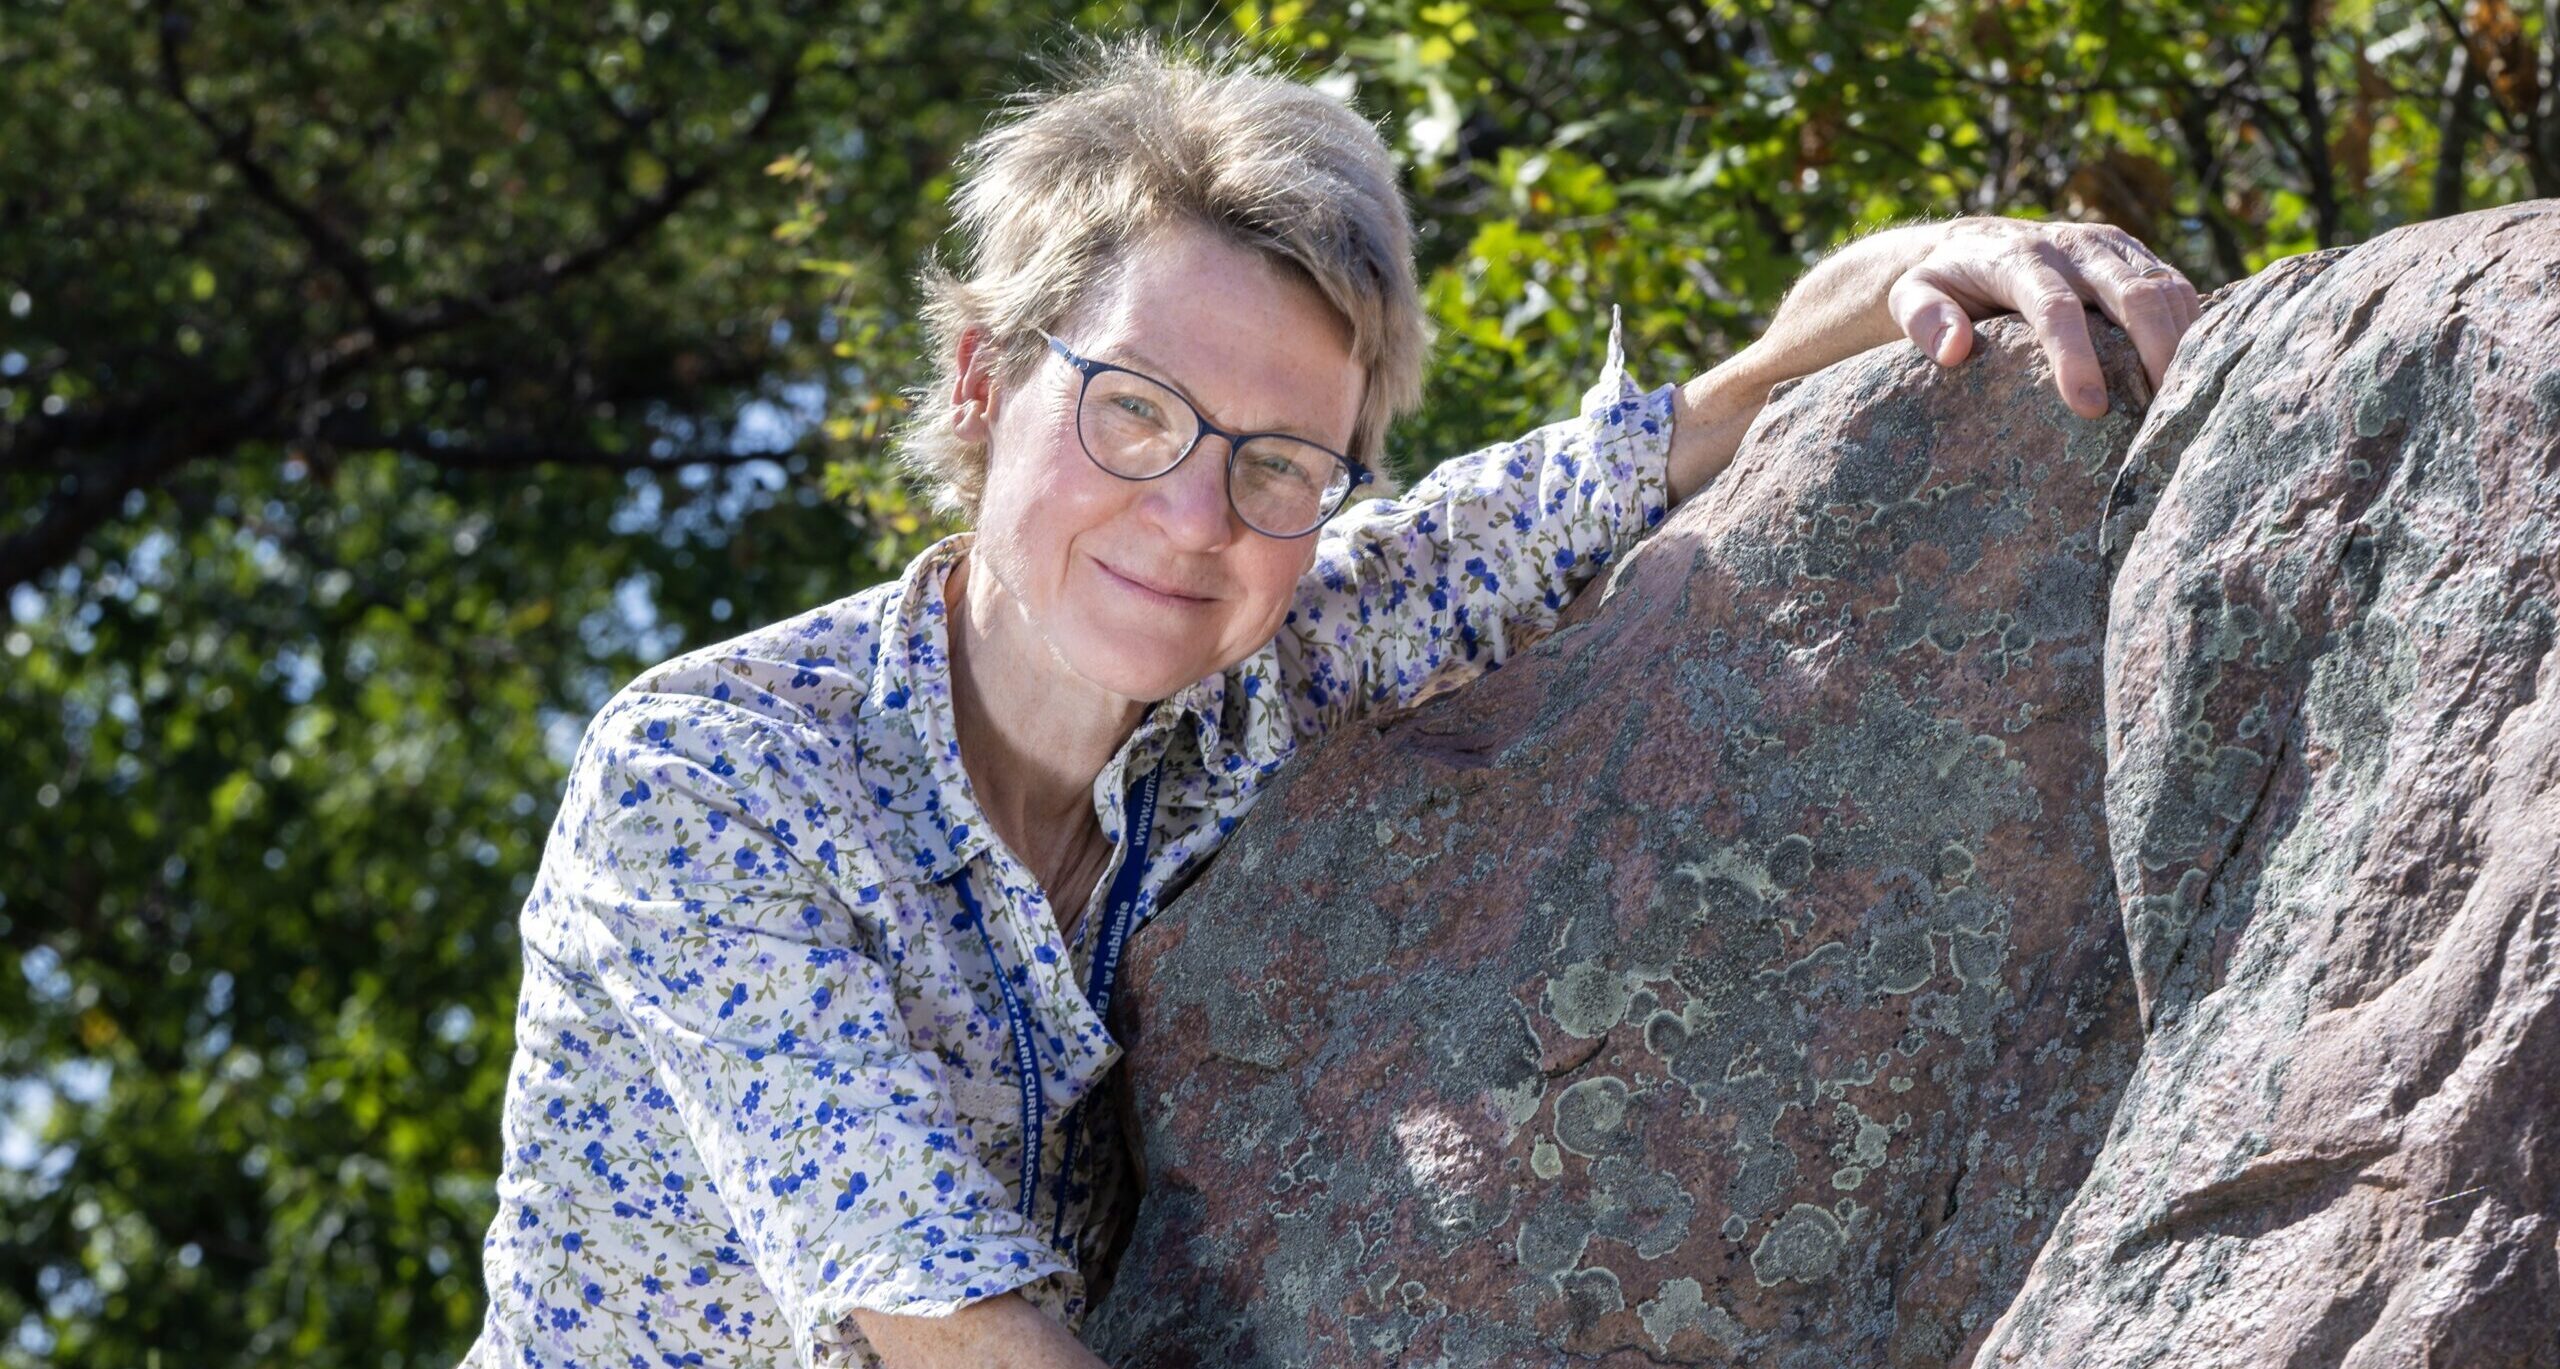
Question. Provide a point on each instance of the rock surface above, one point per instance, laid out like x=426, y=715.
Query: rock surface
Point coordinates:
x=1733, y=977
x=1750, y=973
x=2334, y=711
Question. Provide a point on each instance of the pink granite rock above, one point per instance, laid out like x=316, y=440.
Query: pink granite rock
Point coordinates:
x=1735, y=976
x=2333, y=683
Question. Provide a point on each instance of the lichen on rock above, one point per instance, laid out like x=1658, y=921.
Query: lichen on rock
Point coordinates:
x=2336, y=802
x=1975, y=886
x=1770, y=901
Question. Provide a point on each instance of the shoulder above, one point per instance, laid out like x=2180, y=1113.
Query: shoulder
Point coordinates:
x=836, y=669
x=810, y=670
x=763, y=730
x=787, y=686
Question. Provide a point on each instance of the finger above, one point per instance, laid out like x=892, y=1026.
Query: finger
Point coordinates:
x=2182, y=294
x=2147, y=296
x=2186, y=304
x=2146, y=264
x=1930, y=317
x=2149, y=267
x=2051, y=302
x=2151, y=310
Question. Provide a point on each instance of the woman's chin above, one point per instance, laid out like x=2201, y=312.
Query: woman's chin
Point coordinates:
x=1133, y=658
x=1133, y=672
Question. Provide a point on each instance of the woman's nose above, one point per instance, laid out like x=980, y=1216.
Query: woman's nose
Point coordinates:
x=1190, y=503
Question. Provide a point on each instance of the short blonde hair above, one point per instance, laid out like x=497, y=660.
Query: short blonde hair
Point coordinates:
x=1134, y=137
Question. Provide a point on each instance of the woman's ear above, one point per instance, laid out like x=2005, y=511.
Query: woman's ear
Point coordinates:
x=973, y=387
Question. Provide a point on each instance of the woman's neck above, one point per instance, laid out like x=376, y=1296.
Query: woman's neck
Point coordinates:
x=1033, y=735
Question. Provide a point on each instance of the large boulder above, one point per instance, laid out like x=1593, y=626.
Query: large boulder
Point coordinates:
x=1738, y=977
x=1733, y=977
x=2333, y=683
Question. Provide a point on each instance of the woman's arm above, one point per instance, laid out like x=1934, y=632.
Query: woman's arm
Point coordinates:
x=1003, y=1330
x=1928, y=282
x=1481, y=555
x=1484, y=553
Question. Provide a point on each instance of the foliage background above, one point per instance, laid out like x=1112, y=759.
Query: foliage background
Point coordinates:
x=381, y=385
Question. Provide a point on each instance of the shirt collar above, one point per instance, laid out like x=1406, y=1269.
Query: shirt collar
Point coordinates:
x=909, y=728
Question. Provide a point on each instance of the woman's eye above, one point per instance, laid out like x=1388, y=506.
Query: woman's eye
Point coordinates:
x=1282, y=468
x=1135, y=407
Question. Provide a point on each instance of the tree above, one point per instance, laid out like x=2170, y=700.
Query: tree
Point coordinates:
x=1684, y=160
x=383, y=386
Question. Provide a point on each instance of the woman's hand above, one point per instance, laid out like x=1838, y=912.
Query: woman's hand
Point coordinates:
x=1929, y=283
x=1005, y=1329
x=2050, y=273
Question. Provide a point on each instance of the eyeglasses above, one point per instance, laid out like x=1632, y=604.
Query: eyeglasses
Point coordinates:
x=1137, y=427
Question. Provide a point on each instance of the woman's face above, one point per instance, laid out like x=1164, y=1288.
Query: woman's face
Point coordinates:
x=1143, y=586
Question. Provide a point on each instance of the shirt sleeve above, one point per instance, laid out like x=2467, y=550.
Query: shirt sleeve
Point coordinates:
x=705, y=868
x=1479, y=558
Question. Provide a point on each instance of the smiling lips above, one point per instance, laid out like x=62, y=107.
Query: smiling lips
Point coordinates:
x=1163, y=596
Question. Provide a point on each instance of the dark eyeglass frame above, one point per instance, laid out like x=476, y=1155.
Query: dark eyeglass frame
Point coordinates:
x=1088, y=368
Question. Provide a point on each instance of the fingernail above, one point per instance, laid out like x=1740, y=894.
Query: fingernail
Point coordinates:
x=2093, y=397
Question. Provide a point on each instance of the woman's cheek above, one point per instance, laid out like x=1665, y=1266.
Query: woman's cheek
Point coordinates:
x=1279, y=588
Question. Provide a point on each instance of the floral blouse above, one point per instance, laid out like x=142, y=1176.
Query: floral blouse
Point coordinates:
x=763, y=1071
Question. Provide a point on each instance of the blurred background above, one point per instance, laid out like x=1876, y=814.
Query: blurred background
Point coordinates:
x=383, y=384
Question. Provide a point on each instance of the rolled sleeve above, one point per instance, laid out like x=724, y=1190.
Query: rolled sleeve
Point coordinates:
x=718, y=887
x=1480, y=557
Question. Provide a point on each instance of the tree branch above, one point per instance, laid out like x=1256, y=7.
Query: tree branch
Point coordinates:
x=326, y=243
x=515, y=454
x=540, y=276
x=2194, y=122
x=87, y=499
x=2542, y=124
x=151, y=436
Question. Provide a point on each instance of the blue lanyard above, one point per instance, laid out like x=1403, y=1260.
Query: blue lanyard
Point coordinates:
x=1120, y=917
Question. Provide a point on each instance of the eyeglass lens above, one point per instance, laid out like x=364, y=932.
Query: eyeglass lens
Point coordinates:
x=1136, y=428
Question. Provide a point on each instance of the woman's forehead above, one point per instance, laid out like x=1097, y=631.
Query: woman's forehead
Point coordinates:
x=1248, y=339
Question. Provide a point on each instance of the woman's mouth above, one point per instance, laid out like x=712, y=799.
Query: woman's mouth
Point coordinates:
x=1161, y=598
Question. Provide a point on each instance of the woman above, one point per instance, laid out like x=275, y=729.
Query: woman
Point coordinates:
x=818, y=958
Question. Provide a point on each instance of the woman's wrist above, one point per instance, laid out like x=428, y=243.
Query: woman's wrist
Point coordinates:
x=1709, y=417
x=1833, y=313
x=1839, y=308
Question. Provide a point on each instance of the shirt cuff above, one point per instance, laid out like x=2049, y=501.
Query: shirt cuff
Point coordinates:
x=932, y=1266
x=1630, y=435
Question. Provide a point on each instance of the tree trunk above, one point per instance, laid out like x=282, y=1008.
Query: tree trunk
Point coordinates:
x=2457, y=120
